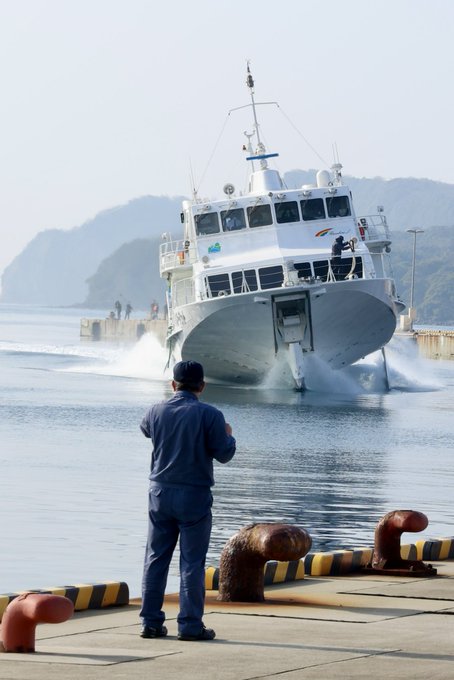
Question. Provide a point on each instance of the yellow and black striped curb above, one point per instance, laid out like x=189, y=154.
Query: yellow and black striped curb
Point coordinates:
x=274, y=572
x=435, y=549
x=341, y=562
x=82, y=595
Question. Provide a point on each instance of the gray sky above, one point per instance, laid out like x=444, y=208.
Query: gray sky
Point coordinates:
x=107, y=100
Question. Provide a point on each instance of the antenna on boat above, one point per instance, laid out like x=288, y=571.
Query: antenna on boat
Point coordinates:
x=193, y=186
x=260, y=152
x=337, y=166
x=250, y=84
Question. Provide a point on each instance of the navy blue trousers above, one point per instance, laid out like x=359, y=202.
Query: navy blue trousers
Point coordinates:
x=183, y=512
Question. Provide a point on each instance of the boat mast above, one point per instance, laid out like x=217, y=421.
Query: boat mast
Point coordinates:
x=250, y=84
x=260, y=153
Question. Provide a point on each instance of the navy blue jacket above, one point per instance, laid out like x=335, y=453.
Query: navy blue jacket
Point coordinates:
x=186, y=434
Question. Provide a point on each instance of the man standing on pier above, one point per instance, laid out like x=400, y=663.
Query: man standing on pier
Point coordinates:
x=187, y=435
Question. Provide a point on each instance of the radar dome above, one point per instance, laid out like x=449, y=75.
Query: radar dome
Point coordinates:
x=323, y=178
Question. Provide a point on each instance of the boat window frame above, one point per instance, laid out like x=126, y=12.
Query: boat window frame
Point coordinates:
x=303, y=204
x=199, y=216
x=284, y=205
x=252, y=208
x=225, y=214
x=244, y=274
x=334, y=212
x=226, y=289
x=273, y=283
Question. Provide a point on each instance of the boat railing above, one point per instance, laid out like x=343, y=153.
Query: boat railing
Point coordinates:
x=173, y=254
x=373, y=228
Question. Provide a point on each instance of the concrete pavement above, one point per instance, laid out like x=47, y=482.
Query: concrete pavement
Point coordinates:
x=356, y=626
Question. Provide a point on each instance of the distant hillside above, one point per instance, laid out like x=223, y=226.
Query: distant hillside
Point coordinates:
x=54, y=267
x=434, y=273
x=130, y=274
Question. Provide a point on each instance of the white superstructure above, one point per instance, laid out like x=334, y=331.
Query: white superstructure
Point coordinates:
x=252, y=277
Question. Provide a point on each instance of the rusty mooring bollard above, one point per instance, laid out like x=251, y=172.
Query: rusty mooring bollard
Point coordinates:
x=23, y=614
x=241, y=568
x=386, y=556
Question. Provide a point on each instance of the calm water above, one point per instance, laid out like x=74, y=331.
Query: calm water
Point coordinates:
x=74, y=464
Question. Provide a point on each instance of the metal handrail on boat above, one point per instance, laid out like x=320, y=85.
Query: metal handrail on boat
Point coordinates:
x=174, y=254
x=373, y=228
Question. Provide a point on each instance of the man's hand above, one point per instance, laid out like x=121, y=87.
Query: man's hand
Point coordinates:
x=228, y=428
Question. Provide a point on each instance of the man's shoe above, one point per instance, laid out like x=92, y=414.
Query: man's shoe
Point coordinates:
x=205, y=634
x=149, y=632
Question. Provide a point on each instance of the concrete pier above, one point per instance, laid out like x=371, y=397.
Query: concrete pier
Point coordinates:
x=434, y=344
x=122, y=329
x=330, y=627
x=431, y=344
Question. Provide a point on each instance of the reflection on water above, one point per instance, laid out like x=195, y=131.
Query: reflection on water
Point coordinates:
x=302, y=459
x=332, y=460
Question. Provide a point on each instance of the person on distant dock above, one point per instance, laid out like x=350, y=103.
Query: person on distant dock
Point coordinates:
x=186, y=435
x=154, y=310
x=128, y=311
x=118, y=308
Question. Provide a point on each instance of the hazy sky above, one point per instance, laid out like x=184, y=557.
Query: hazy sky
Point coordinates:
x=103, y=101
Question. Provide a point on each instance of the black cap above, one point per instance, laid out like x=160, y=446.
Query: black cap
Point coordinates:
x=340, y=238
x=188, y=372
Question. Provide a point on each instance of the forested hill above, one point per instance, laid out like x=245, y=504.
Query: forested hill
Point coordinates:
x=54, y=267
x=85, y=264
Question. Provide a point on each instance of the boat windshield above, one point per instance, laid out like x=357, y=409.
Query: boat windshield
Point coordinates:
x=287, y=212
x=338, y=206
x=233, y=219
x=259, y=216
x=207, y=223
x=313, y=209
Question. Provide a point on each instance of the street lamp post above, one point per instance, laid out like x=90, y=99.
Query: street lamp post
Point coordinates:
x=411, y=311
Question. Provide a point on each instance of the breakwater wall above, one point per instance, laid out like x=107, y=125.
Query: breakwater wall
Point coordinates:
x=122, y=329
x=435, y=344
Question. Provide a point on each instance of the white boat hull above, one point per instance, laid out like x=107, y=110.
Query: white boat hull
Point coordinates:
x=235, y=337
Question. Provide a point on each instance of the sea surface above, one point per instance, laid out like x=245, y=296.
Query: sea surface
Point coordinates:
x=333, y=460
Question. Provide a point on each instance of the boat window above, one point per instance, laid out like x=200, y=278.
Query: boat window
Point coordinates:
x=207, y=223
x=313, y=209
x=233, y=219
x=338, y=206
x=219, y=285
x=321, y=269
x=244, y=281
x=287, y=211
x=259, y=215
x=271, y=277
x=303, y=269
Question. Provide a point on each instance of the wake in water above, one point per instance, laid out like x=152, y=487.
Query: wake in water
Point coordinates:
x=145, y=360
x=405, y=371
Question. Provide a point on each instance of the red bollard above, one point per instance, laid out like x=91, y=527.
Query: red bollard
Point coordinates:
x=23, y=614
x=386, y=557
x=241, y=577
